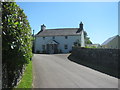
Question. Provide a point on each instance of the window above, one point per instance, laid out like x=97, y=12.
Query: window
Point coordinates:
x=66, y=46
x=43, y=38
x=66, y=37
x=53, y=37
x=43, y=47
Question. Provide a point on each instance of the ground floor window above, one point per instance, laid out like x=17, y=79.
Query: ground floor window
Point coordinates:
x=53, y=37
x=66, y=46
x=66, y=37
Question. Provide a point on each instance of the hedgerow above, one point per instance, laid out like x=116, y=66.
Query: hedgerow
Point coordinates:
x=16, y=43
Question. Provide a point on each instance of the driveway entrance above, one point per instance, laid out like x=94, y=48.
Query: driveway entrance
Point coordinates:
x=56, y=71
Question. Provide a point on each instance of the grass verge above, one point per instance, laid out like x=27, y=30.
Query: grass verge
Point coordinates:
x=26, y=81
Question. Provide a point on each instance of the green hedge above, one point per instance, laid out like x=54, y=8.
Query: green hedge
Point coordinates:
x=16, y=42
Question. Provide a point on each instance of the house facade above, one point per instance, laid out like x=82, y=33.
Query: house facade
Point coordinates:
x=112, y=42
x=57, y=40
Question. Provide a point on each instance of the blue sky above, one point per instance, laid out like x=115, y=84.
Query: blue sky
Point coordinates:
x=100, y=19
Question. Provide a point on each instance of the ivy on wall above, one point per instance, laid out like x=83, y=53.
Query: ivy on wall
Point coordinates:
x=16, y=41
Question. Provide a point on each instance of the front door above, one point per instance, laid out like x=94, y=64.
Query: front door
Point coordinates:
x=52, y=48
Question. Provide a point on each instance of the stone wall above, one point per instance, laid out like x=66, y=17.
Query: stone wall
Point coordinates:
x=16, y=79
x=103, y=60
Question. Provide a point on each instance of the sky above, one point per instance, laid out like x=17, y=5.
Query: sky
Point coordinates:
x=100, y=19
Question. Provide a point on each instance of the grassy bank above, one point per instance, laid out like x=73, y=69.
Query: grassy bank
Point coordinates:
x=26, y=81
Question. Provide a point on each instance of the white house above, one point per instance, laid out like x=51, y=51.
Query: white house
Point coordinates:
x=112, y=42
x=57, y=40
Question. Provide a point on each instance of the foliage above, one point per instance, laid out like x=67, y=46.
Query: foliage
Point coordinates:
x=26, y=81
x=87, y=39
x=60, y=51
x=16, y=40
x=90, y=47
x=8, y=0
x=44, y=52
x=38, y=52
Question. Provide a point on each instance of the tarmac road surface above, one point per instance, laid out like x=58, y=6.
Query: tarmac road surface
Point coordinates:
x=56, y=71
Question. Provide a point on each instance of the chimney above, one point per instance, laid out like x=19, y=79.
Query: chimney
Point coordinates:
x=81, y=26
x=43, y=27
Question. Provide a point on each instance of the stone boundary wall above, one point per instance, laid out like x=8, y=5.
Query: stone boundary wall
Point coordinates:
x=103, y=60
x=16, y=79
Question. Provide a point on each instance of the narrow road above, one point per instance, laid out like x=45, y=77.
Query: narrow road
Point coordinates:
x=56, y=71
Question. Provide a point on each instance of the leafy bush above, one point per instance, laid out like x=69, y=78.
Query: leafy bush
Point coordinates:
x=38, y=52
x=60, y=51
x=70, y=51
x=90, y=47
x=44, y=51
x=16, y=42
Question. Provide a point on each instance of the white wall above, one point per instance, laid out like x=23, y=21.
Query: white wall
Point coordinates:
x=114, y=44
x=60, y=39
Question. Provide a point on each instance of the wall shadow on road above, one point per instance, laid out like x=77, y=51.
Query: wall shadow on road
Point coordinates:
x=105, y=66
x=95, y=67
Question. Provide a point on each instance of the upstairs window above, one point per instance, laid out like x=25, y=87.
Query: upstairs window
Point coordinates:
x=43, y=38
x=66, y=37
x=66, y=46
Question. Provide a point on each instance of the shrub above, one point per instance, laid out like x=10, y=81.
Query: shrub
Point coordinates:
x=70, y=51
x=16, y=42
x=60, y=51
x=44, y=51
x=38, y=52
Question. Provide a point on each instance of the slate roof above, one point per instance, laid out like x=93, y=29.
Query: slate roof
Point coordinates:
x=109, y=39
x=59, y=32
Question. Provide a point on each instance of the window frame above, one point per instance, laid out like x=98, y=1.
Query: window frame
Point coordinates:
x=65, y=46
x=66, y=37
x=43, y=38
x=53, y=37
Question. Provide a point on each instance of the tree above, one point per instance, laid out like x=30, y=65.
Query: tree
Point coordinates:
x=16, y=41
x=87, y=39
